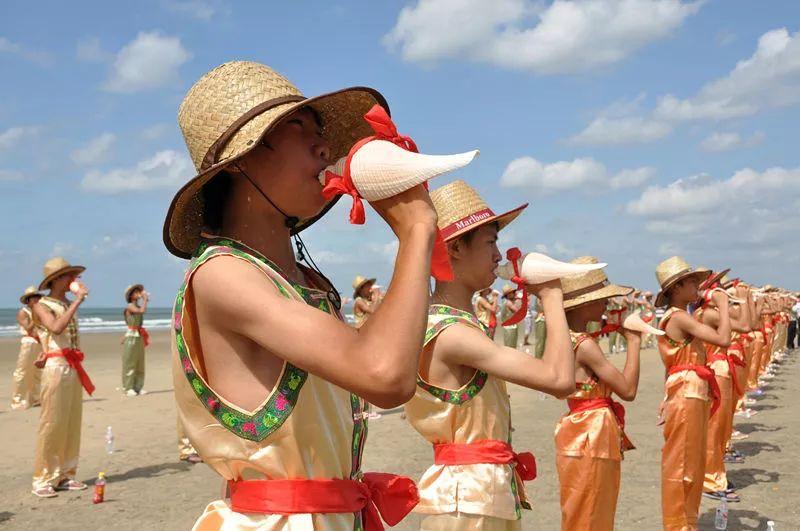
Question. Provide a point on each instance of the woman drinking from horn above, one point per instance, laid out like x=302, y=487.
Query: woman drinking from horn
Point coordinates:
x=461, y=405
x=134, y=341
x=690, y=389
x=63, y=380
x=590, y=439
x=27, y=379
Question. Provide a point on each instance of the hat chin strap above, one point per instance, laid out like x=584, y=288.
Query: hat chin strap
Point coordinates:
x=302, y=251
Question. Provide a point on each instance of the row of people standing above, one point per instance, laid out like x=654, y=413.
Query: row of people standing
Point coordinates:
x=271, y=384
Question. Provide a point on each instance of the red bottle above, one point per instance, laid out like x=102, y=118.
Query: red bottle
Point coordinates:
x=99, y=488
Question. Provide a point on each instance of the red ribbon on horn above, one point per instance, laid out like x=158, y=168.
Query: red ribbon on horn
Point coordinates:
x=513, y=255
x=385, y=129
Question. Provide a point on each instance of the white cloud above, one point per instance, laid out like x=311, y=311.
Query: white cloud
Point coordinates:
x=563, y=37
x=701, y=194
x=385, y=251
x=326, y=257
x=166, y=169
x=607, y=131
x=540, y=248
x=150, y=61
x=768, y=79
x=742, y=219
x=34, y=56
x=632, y=178
x=11, y=175
x=566, y=175
x=95, y=151
x=726, y=141
x=89, y=50
x=13, y=135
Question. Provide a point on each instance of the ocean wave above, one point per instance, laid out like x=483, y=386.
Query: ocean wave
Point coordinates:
x=91, y=325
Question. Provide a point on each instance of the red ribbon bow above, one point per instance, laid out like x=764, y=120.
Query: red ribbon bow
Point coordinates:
x=487, y=451
x=74, y=358
x=376, y=496
x=142, y=332
x=513, y=255
x=385, y=129
x=705, y=373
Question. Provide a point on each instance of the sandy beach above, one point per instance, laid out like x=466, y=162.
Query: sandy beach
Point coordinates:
x=149, y=488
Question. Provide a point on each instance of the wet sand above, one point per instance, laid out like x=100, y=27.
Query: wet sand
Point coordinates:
x=149, y=488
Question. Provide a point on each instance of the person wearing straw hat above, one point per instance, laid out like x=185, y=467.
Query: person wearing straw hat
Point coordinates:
x=590, y=438
x=723, y=362
x=363, y=305
x=63, y=380
x=511, y=304
x=690, y=384
x=27, y=379
x=135, y=340
x=461, y=404
x=270, y=382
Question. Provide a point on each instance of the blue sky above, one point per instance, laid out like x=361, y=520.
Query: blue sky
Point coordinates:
x=636, y=129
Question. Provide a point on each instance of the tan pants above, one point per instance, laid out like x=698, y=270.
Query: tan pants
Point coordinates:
x=59, y=440
x=683, y=461
x=589, y=490
x=27, y=379
x=719, y=429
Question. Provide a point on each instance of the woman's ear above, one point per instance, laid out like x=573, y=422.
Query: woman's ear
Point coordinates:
x=454, y=248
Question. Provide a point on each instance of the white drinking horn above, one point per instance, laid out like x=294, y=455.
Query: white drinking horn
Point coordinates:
x=635, y=322
x=731, y=298
x=381, y=169
x=537, y=268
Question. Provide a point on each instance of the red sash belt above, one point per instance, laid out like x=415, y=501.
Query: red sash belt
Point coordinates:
x=485, y=452
x=732, y=362
x=74, y=357
x=576, y=405
x=706, y=374
x=142, y=332
x=376, y=496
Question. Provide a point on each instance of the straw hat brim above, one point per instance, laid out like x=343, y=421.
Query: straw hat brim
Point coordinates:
x=502, y=221
x=606, y=292
x=76, y=269
x=130, y=289
x=661, y=297
x=24, y=298
x=342, y=115
x=361, y=285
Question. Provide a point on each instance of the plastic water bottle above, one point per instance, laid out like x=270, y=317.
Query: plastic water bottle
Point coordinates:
x=721, y=519
x=770, y=525
x=109, y=441
x=99, y=488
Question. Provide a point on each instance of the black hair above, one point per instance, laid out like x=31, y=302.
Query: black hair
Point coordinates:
x=468, y=236
x=215, y=195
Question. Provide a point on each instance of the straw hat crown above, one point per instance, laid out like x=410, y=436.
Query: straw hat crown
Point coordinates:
x=359, y=282
x=229, y=111
x=130, y=289
x=461, y=209
x=29, y=292
x=57, y=266
x=589, y=286
x=671, y=271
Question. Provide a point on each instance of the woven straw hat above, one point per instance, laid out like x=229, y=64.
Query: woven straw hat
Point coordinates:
x=29, y=292
x=57, y=266
x=590, y=286
x=673, y=270
x=508, y=288
x=359, y=282
x=130, y=289
x=461, y=210
x=714, y=278
x=229, y=111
